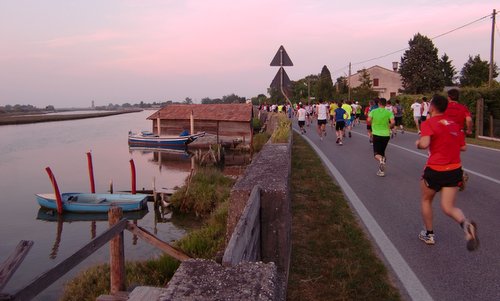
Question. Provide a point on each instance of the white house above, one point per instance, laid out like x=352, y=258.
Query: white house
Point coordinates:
x=386, y=82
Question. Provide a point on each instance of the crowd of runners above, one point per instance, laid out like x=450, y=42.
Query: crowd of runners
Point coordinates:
x=442, y=125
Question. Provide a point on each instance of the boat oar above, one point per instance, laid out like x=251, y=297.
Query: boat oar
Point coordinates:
x=132, y=170
x=56, y=190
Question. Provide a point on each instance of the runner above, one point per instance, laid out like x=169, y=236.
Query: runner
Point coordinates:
x=459, y=114
x=347, y=116
x=321, y=112
x=398, y=116
x=333, y=106
x=443, y=171
x=417, y=113
x=309, y=114
x=301, y=116
x=424, y=109
x=390, y=108
x=382, y=121
x=368, y=109
x=339, y=116
x=358, y=112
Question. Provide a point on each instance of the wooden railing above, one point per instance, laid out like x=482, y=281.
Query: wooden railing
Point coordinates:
x=117, y=258
x=244, y=244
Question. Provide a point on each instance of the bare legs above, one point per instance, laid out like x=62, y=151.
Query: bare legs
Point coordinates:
x=448, y=197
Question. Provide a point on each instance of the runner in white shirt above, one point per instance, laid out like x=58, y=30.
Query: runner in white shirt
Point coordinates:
x=424, y=109
x=301, y=116
x=390, y=108
x=417, y=109
x=322, y=113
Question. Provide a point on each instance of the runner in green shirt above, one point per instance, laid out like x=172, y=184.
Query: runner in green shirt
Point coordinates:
x=382, y=121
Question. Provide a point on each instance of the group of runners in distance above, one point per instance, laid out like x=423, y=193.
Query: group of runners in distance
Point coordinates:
x=442, y=125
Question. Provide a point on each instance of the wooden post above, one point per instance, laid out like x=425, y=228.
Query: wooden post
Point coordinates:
x=10, y=265
x=491, y=125
x=479, y=117
x=56, y=190
x=191, y=122
x=158, y=126
x=132, y=171
x=91, y=172
x=117, y=253
x=111, y=186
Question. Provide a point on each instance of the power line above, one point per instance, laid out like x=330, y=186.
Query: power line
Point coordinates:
x=406, y=48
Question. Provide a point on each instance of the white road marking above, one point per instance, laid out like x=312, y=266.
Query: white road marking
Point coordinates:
x=410, y=281
x=425, y=156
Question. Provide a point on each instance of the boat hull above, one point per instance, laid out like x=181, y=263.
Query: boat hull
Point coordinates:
x=93, y=203
x=155, y=141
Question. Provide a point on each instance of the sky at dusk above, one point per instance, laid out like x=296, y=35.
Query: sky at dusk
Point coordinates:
x=68, y=53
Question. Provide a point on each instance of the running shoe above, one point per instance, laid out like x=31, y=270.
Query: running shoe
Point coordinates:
x=427, y=238
x=350, y=135
x=470, y=229
x=337, y=141
x=380, y=173
x=381, y=164
x=340, y=143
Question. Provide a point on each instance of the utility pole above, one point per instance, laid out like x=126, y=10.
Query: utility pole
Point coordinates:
x=492, y=50
x=349, y=83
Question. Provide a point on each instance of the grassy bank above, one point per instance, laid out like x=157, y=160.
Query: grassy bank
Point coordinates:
x=204, y=242
x=332, y=259
x=25, y=119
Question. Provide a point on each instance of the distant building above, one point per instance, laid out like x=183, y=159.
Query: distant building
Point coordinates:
x=386, y=82
x=228, y=124
x=93, y=105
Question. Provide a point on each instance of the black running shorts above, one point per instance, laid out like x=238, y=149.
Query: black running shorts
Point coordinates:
x=321, y=121
x=339, y=125
x=436, y=180
x=301, y=123
x=399, y=120
x=380, y=144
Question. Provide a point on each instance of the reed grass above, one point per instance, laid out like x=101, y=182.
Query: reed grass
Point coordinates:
x=282, y=132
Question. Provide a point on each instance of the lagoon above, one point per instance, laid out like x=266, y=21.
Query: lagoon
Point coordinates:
x=25, y=151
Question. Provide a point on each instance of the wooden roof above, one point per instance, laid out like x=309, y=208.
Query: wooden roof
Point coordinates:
x=216, y=112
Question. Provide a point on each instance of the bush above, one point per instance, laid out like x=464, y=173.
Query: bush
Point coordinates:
x=208, y=188
x=282, y=132
x=256, y=124
x=259, y=140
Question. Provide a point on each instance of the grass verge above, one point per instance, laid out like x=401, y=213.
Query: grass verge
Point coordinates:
x=204, y=242
x=332, y=259
x=259, y=140
x=283, y=130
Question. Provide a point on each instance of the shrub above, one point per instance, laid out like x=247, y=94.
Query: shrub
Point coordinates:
x=282, y=132
x=259, y=140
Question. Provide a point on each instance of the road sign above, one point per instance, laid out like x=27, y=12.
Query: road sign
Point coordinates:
x=276, y=83
x=281, y=58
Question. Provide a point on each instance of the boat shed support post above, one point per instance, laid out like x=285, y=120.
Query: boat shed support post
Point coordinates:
x=117, y=253
x=132, y=171
x=191, y=123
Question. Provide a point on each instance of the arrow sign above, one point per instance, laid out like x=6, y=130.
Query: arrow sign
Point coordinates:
x=281, y=58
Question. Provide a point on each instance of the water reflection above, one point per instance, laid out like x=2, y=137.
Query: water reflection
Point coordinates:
x=71, y=217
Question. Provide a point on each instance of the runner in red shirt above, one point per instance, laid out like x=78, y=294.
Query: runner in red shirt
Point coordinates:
x=443, y=171
x=459, y=114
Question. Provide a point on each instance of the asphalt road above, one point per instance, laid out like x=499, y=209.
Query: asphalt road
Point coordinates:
x=445, y=271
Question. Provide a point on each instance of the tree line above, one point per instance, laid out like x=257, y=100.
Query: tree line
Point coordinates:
x=421, y=69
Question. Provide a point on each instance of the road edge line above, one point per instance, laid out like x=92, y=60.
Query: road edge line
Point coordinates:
x=408, y=278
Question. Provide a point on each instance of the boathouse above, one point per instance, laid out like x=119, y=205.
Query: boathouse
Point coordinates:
x=227, y=124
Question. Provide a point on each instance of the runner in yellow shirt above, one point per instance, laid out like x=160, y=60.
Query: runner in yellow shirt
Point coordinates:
x=333, y=107
x=347, y=116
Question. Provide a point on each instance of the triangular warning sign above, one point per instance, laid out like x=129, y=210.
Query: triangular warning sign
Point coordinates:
x=281, y=58
x=276, y=83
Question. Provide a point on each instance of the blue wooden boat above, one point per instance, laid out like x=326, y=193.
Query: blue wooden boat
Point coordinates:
x=148, y=139
x=48, y=215
x=93, y=202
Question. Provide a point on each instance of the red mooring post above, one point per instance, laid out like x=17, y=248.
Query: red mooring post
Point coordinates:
x=56, y=190
x=132, y=170
x=91, y=172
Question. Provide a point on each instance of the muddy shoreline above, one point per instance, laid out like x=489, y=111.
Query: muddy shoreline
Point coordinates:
x=8, y=119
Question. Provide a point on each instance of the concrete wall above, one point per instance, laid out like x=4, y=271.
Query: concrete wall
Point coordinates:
x=267, y=280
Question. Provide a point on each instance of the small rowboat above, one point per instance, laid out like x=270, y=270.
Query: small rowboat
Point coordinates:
x=93, y=202
x=149, y=139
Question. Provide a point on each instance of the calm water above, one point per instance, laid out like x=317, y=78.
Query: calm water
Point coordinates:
x=25, y=152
